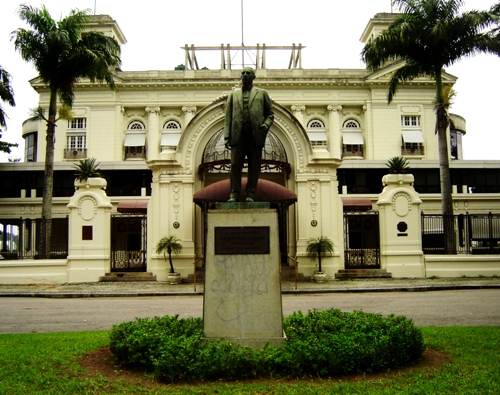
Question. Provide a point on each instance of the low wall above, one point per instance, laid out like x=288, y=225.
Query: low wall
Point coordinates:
x=50, y=271
x=462, y=265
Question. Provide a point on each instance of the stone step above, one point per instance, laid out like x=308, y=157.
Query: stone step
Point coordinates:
x=363, y=273
x=287, y=274
x=127, y=276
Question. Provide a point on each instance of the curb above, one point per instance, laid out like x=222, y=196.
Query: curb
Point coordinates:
x=71, y=295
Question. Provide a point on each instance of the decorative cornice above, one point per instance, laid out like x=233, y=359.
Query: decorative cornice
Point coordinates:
x=299, y=108
x=334, y=108
x=153, y=110
x=189, y=109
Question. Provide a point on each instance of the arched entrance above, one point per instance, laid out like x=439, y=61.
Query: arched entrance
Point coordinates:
x=275, y=170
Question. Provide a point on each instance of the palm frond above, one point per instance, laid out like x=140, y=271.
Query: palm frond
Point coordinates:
x=398, y=165
x=86, y=168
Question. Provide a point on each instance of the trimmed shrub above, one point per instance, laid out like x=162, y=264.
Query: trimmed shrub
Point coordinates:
x=323, y=344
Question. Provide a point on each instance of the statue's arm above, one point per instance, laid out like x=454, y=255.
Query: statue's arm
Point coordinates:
x=228, y=119
x=268, y=111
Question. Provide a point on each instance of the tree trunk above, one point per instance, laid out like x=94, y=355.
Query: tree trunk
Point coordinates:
x=442, y=123
x=319, y=261
x=48, y=179
x=170, y=260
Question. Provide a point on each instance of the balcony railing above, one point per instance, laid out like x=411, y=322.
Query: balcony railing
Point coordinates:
x=415, y=151
x=353, y=153
x=70, y=153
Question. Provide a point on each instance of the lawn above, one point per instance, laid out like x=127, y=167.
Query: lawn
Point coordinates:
x=51, y=364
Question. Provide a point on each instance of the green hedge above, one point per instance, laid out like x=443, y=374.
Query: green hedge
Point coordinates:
x=320, y=344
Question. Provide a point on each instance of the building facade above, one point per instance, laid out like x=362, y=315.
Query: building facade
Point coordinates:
x=158, y=139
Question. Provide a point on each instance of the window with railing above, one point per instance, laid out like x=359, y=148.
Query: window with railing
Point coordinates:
x=352, y=139
x=412, y=137
x=135, y=141
x=409, y=149
x=316, y=132
x=76, y=139
x=170, y=135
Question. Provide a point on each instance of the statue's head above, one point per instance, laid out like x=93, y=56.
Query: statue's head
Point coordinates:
x=247, y=75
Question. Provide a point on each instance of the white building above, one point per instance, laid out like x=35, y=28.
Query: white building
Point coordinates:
x=158, y=140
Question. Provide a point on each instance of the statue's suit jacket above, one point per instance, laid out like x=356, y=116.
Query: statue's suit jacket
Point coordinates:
x=261, y=113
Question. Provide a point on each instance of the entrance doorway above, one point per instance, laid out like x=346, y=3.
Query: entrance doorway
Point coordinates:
x=128, y=243
x=361, y=240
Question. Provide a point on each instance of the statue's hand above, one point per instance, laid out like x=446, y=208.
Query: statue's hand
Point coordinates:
x=264, y=127
x=226, y=144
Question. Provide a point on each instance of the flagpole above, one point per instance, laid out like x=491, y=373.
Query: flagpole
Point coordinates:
x=242, y=40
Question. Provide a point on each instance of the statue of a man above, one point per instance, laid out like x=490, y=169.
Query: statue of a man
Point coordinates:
x=249, y=115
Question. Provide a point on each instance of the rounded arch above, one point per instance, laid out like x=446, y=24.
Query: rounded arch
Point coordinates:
x=136, y=125
x=315, y=123
x=351, y=123
x=171, y=124
x=210, y=120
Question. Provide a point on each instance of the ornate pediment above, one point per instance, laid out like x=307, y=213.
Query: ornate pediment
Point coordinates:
x=384, y=74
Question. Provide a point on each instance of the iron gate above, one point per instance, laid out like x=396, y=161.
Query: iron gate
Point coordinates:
x=361, y=240
x=128, y=243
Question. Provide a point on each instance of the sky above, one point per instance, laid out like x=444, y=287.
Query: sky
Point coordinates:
x=329, y=29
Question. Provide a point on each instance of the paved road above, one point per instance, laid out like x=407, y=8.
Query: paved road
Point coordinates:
x=434, y=308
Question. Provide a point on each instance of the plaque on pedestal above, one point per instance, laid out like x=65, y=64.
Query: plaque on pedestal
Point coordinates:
x=242, y=297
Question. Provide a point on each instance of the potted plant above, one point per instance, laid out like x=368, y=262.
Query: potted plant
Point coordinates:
x=398, y=165
x=169, y=245
x=398, y=168
x=318, y=248
x=87, y=173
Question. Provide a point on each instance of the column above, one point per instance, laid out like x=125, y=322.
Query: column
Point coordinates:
x=335, y=133
x=153, y=139
x=189, y=113
x=298, y=110
x=369, y=146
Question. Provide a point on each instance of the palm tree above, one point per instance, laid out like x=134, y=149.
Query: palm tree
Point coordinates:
x=426, y=37
x=7, y=96
x=86, y=168
x=62, y=55
x=318, y=248
x=167, y=245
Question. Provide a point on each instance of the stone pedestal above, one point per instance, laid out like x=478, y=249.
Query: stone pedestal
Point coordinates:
x=242, y=297
x=399, y=213
x=89, y=235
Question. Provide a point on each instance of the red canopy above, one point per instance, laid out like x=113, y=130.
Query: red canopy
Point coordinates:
x=356, y=203
x=267, y=191
x=132, y=206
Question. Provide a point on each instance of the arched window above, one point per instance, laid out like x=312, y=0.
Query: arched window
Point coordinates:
x=135, y=141
x=351, y=124
x=317, y=133
x=171, y=125
x=352, y=140
x=170, y=135
x=315, y=124
x=136, y=125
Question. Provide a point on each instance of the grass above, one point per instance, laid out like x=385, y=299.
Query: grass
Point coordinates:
x=49, y=364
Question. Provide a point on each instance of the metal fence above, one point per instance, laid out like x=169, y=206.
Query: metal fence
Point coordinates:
x=474, y=233
x=26, y=239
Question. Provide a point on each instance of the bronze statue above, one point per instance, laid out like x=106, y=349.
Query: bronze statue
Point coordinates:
x=249, y=115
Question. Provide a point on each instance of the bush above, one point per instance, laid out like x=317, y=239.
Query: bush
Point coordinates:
x=320, y=344
x=139, y=343
x=333, y=342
